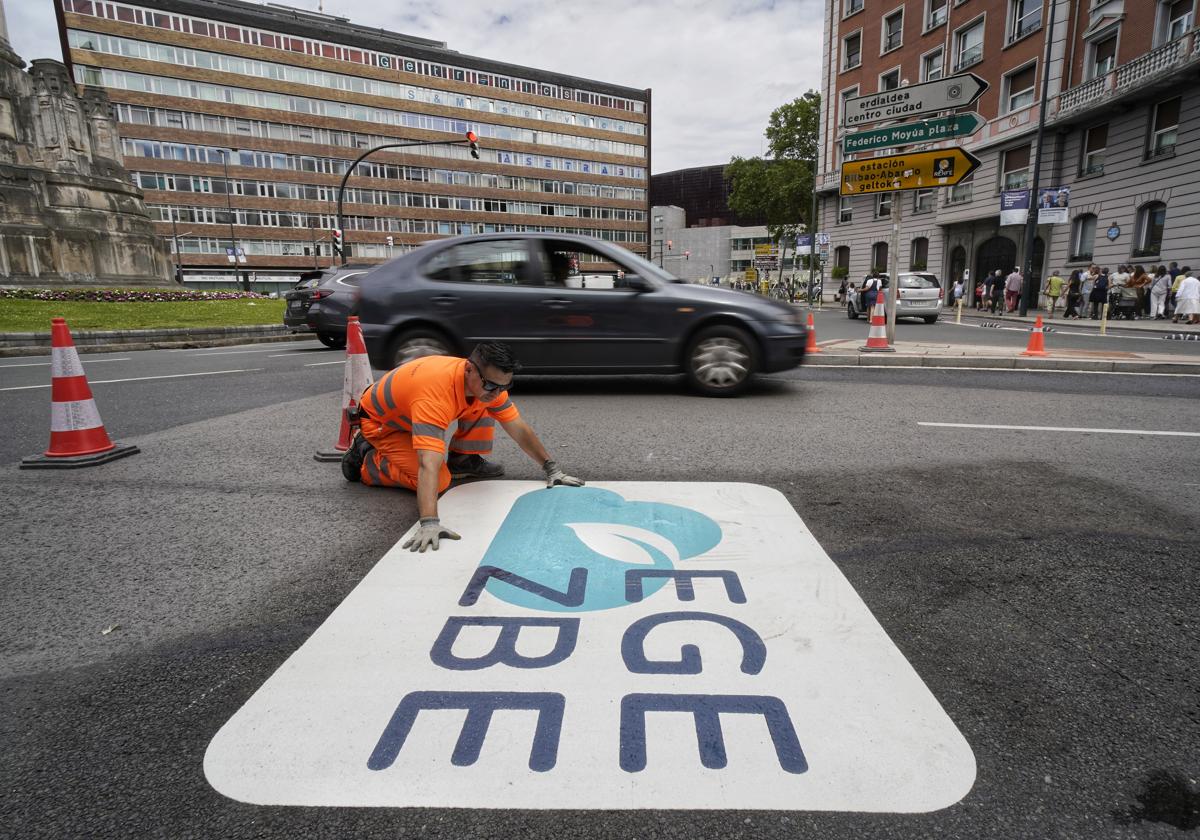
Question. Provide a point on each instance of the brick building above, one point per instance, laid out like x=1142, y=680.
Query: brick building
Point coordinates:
x=1122, y=102
x=234, y=111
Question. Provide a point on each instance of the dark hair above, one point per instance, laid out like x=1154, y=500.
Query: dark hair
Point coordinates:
x=497, y=354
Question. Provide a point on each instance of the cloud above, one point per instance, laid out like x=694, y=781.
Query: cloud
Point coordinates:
x=716, y=68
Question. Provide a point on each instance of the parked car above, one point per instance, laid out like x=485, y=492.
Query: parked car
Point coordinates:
x=322, y=301
x=524, y=288
x=920, y=296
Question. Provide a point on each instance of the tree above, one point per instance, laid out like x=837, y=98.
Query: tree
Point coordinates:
x=779, y=188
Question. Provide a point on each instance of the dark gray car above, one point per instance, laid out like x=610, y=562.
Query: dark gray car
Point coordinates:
x=322, y=301
x=572, y=304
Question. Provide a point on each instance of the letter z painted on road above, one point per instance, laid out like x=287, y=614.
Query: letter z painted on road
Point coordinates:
x=617, y=646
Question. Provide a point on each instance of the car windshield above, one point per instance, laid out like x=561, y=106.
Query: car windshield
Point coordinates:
x=918, y=281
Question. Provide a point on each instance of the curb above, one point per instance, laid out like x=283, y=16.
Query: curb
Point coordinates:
x=109, y=341
x=1010, y=362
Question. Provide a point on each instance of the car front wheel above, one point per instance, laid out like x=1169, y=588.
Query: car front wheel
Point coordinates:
x=332, y=340
x=413, y=344
x=720, y=361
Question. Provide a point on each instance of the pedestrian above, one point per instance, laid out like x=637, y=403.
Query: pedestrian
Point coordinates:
x=1053, y=290
x=980, y=295
x=1140, y=280
x=1160, y=287
x=1087, y=281
x=1173, y=296
x=841, y=292
x=405, y=417
x=1012, y=290
x=869, y=291
x=1099, y=295
x=1074, y=296
x=956, y=292
x=1188, y=299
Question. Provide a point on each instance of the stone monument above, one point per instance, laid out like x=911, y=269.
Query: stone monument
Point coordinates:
x=69, y=214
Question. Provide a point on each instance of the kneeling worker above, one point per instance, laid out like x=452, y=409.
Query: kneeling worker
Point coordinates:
x=403, y=422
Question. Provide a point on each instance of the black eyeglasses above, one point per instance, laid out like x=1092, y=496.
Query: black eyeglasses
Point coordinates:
x=488, y=385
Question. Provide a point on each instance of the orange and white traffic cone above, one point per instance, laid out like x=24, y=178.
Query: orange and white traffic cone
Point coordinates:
x=1037, y=340
x=877, y=338
x=810, y=345
x=77, y=435
x=357, y=379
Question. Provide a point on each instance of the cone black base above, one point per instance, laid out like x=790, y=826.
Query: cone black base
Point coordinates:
x=865, y=349
x=328, y=455
x=70, y=462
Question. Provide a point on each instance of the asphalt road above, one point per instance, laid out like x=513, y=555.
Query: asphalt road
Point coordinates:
x=1042, y=584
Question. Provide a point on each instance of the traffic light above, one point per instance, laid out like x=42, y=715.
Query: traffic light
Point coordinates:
x=390, y=241
x=335, y=236
x=472, y=140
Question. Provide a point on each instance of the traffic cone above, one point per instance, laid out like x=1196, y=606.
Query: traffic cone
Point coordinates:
x=877, y=337
x=356, y=380
x=77, y=435
x=810, y=346
x=1037, y=340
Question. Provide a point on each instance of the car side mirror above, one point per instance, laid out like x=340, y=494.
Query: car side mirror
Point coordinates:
x=637, y=283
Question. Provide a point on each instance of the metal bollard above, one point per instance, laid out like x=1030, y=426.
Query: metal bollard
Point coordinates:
x=1104, y=320
x=958, y=316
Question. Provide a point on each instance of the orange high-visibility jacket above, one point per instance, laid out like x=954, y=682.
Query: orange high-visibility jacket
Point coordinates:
x=424, y=396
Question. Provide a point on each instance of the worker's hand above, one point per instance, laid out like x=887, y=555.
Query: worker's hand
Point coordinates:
x=554, y=476
x=428, y=533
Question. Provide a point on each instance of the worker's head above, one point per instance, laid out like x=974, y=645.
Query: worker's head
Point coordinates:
x=490, y=369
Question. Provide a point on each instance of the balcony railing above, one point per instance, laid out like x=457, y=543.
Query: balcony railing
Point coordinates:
x=1153, y=65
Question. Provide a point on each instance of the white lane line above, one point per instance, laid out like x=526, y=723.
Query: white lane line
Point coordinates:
x=234, y=352
x=1008, y=370
x=1061, y=429
x=138, y=378
x=292, y=353
x=318, y=364
x=47, y=364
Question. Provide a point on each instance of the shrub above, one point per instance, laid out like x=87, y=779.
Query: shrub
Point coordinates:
x=125, y=295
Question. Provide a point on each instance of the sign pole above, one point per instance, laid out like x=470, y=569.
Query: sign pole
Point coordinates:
x=894, y=266
x=1029, y=288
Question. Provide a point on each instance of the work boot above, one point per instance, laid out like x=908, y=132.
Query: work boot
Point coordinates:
x=473, y=466
x=352, y=458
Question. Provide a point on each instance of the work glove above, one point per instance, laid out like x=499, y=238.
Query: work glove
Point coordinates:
x=554, y=476
x=428, y=533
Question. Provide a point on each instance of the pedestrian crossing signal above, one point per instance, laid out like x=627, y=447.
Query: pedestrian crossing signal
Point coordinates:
x=472, y=141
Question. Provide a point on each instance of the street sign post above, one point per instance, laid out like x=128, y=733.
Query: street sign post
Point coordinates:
x=919, y=170
x=914, y=101
x=929, y=131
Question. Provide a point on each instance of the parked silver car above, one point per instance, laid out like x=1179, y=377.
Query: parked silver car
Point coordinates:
x=920, y=297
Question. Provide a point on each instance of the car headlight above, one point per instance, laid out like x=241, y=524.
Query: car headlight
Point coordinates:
x=791, y=319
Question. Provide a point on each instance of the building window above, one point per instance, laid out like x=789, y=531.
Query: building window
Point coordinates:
x=961, y=192
x=845, y=209
x=841, y=257
x=890, y=80
x=852, y=6
x=932, y=65
x=1175, y=19
x=922, y=201
x=968, y=45
x=918, y=254
x=1083, y=236
x=879, y=256
x=1018, y=87
x=1025, y=16
x=1166, y=128
x=936, y=13
x=852, y=51
x=1016, y=168
x=1104, y=57
x=893, y=31
x=1095, y=141
x=1151, y=220
x=883, y=205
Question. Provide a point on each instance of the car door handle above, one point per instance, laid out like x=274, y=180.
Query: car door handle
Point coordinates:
x=556, y=303
x=445, y=300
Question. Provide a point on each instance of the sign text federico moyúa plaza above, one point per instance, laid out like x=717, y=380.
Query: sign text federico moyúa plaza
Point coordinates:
x=907, y=134
x=622, y=645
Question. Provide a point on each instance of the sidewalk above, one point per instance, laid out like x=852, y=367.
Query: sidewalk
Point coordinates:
x=109, y=341
x=1145, y=325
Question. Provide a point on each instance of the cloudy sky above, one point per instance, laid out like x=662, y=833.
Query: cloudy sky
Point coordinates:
x=717, y=68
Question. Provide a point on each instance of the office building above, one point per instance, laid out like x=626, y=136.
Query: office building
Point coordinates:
x=238, y=121
x=1121, y=103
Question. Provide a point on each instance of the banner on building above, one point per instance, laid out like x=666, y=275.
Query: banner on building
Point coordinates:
x=1053, y=204
x=1014, y=207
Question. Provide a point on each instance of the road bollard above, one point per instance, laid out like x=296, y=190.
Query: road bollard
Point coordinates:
x=958, y=316
x=1104, y=320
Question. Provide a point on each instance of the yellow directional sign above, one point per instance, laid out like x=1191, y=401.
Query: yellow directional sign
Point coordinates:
x=915, y=171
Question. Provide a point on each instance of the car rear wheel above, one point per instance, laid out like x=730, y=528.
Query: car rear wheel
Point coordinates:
x=332, y=340
x=720, y=361
x=930, y=319
x=413, y=344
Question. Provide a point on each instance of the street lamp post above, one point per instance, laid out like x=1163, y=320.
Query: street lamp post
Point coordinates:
x=469, y=140
x=243, y=280
x=813, y=227
x=175, y=239
x=1029, y=289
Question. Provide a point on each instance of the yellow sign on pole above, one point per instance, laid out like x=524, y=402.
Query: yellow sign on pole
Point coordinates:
x=751, y=274
x=915, y=171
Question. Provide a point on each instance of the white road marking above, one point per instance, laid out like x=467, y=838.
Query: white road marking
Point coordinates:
x=772, y=686
x=138, y=378
x=291, y=353
x=47, y=364
x=1010, y=370
x=234, y=352
x=1062, y=429
x=318, y=364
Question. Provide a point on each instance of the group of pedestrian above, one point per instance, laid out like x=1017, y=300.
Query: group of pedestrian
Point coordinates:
x=1163, y=292
x=998, y=293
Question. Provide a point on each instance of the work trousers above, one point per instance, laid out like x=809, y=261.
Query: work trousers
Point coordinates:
x=395, y=463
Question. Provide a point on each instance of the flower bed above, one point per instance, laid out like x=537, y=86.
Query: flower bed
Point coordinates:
x=126, y=295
